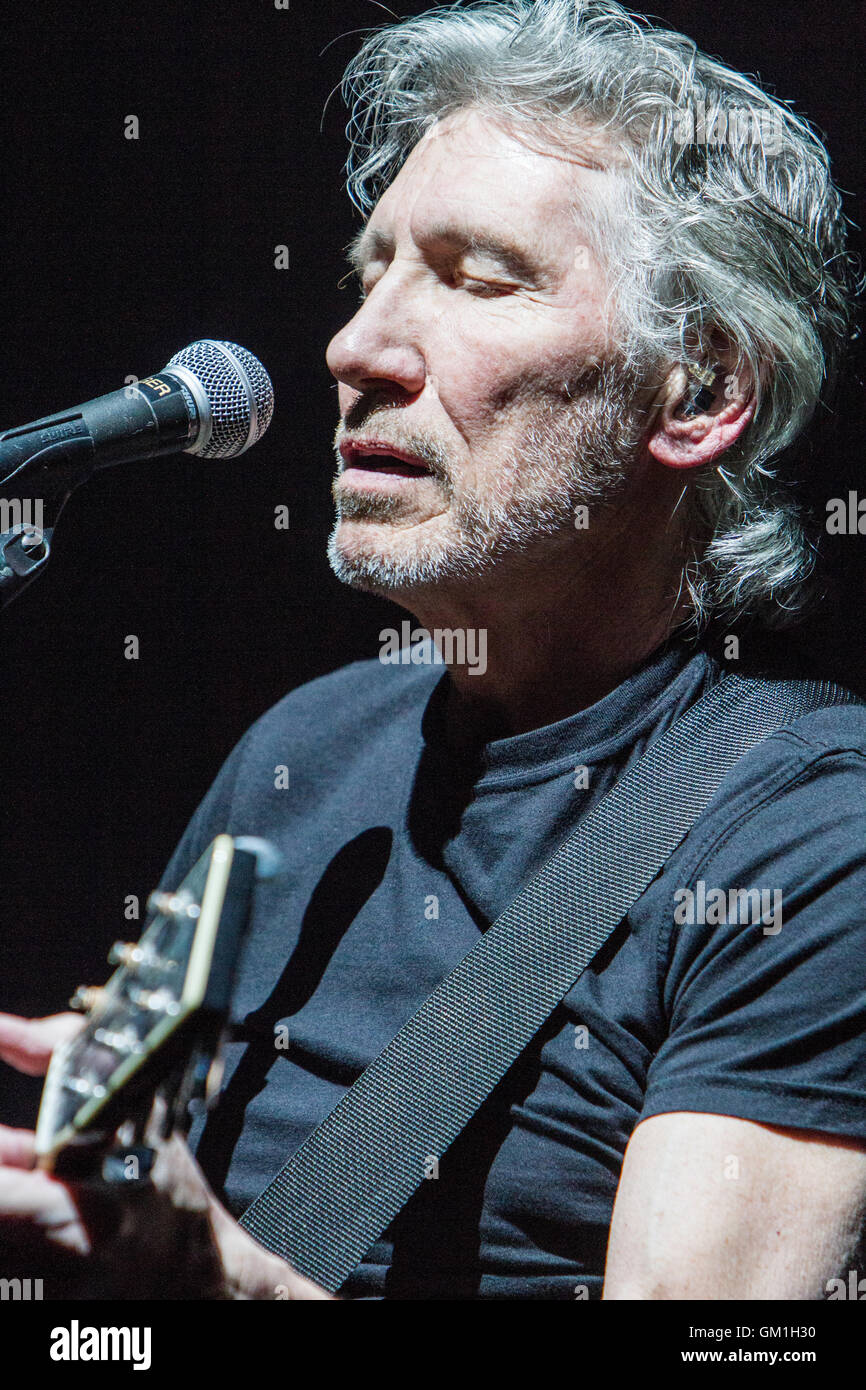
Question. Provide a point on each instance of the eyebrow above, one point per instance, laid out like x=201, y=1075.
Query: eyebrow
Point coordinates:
x=370, y=245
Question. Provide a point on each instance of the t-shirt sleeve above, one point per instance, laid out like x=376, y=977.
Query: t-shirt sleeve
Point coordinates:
x=767, y=1014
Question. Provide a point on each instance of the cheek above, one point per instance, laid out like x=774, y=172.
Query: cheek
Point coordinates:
x=486, y=367
x=477, y=370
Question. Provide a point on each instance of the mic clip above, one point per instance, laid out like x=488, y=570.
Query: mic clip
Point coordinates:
x=32, y=497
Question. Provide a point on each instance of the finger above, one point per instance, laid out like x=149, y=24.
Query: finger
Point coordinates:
x=27, y=1043
x=17, y=1147
x=158, y=1126
x=176, y=1171
x=43, y=1204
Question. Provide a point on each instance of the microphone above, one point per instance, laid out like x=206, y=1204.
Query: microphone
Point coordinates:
x=213, y=399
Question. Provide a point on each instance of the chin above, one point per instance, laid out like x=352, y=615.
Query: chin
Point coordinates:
x=357, y=560
x=376, y=565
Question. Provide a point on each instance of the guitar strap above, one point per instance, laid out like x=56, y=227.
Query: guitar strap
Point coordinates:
x=345, y=1184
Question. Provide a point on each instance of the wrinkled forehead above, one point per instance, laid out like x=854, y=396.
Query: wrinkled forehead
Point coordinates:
x=531, y=176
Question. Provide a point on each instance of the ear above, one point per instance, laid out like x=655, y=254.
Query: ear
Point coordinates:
x=680, y=441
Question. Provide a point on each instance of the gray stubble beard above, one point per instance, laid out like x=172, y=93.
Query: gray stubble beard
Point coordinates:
x=596, y=412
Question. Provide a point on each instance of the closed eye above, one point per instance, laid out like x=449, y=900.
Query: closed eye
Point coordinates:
x=483, y=289
x=486, y=289
x=457, y=279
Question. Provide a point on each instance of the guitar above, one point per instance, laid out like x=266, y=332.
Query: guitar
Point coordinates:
x=153, y=1032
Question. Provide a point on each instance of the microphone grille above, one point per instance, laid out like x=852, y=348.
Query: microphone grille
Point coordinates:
x=238, y=390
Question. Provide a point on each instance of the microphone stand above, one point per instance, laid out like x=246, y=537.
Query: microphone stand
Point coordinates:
x=45, y=479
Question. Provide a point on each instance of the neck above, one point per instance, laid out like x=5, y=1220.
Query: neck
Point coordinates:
x=555, y=648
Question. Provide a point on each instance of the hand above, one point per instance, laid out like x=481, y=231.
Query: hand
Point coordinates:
x=27, y=1043
x=166, y=1238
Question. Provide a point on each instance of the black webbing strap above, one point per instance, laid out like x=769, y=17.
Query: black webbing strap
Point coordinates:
x=345, y=1184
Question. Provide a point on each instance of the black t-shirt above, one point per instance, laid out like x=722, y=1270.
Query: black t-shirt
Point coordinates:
x=397, y=854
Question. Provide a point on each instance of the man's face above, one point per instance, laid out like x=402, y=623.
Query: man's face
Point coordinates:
x=479, y=400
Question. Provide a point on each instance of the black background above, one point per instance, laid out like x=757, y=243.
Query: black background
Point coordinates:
x=116, y=253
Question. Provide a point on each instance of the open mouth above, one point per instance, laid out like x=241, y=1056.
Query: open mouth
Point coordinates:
x=372, y=459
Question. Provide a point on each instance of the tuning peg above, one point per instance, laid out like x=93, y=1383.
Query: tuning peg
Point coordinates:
x=154, y=1000
x=84, y=1086
x=86, y=997
x=173, y=905
x=127, y=953
x=124, y=1042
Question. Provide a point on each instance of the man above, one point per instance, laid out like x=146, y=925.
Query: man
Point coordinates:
x=588, y=330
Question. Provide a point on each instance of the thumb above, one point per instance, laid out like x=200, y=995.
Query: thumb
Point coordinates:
x=27, y=1043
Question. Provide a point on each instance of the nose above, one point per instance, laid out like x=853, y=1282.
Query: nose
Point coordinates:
x=378, y=347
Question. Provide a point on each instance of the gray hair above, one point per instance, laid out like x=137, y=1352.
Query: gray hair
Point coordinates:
x=740, y=239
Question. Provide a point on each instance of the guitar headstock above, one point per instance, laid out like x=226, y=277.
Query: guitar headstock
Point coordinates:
x=162, y=1012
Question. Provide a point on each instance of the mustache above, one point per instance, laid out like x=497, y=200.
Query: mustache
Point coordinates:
x=419, y=443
